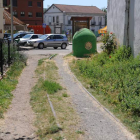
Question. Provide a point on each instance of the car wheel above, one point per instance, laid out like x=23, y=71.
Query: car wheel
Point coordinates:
x=63, y=46
x=55, y=47
x=41, y=46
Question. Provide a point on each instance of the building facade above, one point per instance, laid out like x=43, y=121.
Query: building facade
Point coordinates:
x=28, y=11
x=60, y=16
x=123, y=18
x=1, y=19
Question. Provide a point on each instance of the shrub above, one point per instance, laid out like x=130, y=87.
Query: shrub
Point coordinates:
x=115, y=76
x=109, y=43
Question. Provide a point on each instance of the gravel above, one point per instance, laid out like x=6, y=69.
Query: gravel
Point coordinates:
x=96, y=122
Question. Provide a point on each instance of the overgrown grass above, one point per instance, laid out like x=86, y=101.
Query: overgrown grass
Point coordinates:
x=40, y=61
x=65, y=95
x=51, y=87
x=115, y=81
x=45, y=121
x=8, y=84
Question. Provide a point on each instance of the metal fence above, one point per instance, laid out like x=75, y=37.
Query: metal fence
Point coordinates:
x=5, y=57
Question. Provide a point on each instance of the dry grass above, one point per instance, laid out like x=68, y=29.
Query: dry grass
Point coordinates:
x=66, y=115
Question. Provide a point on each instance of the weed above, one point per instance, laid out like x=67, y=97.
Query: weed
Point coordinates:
x=59, y=138
x=51, y=87
x=53, y=129
x=65, y=95
x=80, y=132
x=8, y=84
x=115, y=81
x=40, y=61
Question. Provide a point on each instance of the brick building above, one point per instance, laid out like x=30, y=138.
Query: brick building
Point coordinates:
x=28, y=11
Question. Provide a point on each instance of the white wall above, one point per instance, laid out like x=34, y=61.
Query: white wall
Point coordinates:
x=126, y=28
x=134, y=32
x=1, y=18
x=116, y=18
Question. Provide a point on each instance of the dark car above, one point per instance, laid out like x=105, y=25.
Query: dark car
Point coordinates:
x=6, y=35
x=17, y=36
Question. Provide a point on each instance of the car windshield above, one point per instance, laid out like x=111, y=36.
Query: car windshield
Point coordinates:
x=43, y=37
x=27, y=36
x=15, y=35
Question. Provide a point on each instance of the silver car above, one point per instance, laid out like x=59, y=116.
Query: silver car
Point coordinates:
x=23, y=40
x=51, y=40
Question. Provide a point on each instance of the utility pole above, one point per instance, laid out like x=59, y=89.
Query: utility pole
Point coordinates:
x=11, y=8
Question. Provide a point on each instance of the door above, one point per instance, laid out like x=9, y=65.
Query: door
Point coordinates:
x=49, y=41
x=58, y=41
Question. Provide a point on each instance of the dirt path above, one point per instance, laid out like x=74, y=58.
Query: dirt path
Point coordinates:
x=97, y=123
x=18, y=122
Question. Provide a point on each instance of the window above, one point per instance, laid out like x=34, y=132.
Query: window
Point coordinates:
x=93, y=21
x=58, y=37
x=69, y=21
x=22, y=14
x=22, y=35
x=57, y=19
x=100, y=20
x=53, y=19
x=34, y=36
x=15, y=13
x=4, y=2
x=30, y=14
x=38, y=14
x=52, y=37
x=39, y=4
x=29, y=3
x=50, y=20
x=15, y=3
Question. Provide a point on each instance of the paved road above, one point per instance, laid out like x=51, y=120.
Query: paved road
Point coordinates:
x=53, y=51
x=49, y=51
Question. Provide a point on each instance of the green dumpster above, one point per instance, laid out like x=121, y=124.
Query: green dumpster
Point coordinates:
x=84, y=43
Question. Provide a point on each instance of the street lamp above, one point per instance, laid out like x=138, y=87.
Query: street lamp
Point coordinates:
x=11, y=3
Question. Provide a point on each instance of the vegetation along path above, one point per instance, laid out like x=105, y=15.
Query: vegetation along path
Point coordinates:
x=18, y=122
x=97, y=123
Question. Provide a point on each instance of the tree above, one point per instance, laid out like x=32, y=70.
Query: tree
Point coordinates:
x=105, y=10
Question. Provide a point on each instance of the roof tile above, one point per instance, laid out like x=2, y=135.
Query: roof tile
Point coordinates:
x=7, y=17
x=79, y=9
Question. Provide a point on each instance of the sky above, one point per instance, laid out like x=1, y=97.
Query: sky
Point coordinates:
x=99, y=3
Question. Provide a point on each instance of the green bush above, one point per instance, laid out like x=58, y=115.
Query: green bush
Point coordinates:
x=116, y=76
x=109, y=43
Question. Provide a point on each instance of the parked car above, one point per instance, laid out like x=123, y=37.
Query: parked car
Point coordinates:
x=6, y=35
x=17, y=36
x=23, y=41
x=50, y=40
